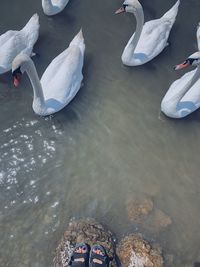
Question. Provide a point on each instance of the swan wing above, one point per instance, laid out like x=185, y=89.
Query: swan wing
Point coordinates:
x=156, y=32
x=153, y=38
x=14, y=42
x=62, y=79
x=6, y=36
x=30, y=32
x=9, y=50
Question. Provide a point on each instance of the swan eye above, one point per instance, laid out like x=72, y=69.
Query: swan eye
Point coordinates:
x=124, y=6
x=17, y=71
x=191, y=60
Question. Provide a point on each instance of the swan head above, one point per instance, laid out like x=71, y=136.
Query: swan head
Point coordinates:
x=192, y=60
x=18, y=67
x=131, y=6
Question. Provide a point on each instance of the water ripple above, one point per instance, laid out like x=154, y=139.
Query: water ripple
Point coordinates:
x=25, y=147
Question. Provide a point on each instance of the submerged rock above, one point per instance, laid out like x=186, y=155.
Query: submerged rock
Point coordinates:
x=157, y=221
x=133, y=251
x=138, y=208
x=85, y=230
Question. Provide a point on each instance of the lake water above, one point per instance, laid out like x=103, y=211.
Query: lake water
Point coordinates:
x=109, y=143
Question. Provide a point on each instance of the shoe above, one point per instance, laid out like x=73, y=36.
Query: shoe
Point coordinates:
x=98, y=257
x=80, y=256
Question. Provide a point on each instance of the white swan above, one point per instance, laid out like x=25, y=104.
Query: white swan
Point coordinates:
x=60, y=81
x=149, y=39
x=183, y=96
x=14, y=42
x=53, y=7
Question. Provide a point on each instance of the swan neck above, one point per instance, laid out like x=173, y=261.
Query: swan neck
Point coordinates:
x=191, y=82
x=139, y=15
x=177, y=96
x=34, y=79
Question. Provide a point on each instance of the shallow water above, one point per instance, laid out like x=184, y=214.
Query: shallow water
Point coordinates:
x=109, y=143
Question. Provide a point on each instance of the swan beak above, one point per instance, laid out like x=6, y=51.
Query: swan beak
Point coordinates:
x=183, y=65
x=120, y=10
x=17, y=80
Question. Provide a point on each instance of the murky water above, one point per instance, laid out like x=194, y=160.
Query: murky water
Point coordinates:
x=110, y=142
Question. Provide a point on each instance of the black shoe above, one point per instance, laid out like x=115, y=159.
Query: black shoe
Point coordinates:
x=80, y=259
x=98, y=257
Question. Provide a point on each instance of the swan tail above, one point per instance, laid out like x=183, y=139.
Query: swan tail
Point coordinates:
x=79, y=41
x=32, y=23
x=172, y=13
x=31, y=29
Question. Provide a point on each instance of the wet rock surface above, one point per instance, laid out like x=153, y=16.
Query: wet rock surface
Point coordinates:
x=133, y=251
x=84, y=230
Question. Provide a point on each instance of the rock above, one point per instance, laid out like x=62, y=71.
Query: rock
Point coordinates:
x=133, y=251
x=138, y=208
x=84, y=230
x=157, y=221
